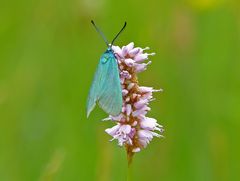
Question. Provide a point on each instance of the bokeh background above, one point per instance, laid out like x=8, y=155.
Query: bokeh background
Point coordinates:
x=48, y=54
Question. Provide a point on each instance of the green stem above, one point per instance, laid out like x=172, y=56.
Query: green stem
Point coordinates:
x=129, y=173
x=129, y=158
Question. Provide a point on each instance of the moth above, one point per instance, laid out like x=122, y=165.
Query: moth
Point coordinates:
x=106, y=88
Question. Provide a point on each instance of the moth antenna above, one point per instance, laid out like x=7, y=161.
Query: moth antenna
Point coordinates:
x=125, y=24
x=100, y=32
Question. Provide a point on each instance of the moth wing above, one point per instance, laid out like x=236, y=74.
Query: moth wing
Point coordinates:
x=106, y=87
x=95, y=89
x=110, y=99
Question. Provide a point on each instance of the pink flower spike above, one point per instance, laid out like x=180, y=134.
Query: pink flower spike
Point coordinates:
x=133, y=129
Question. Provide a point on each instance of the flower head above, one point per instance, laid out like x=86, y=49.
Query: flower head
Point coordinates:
x=134, y=129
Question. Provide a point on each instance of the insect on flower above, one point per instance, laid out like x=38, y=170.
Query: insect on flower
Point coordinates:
x=106, y=88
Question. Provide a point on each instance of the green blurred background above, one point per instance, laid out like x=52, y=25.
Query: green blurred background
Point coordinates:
x=48, y=54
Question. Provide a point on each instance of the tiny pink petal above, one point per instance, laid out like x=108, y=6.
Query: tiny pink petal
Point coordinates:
x=145, y=134
x=139, y=113
x=141, y=67
x=129, y=62
x=125, y=129
x=128, y=109
x=135, y=150
x=130, y=86
x=117, y=50
x=147, y=96
x=112, y=131
x=144, y=89
x=125, y=74
x=130, y=46
x=140, y=103
x=134, y=96
x=124, y=92
x=134, y=52
x=124, y=51
x=118, y=117
x=141, y=57
x=148, y=123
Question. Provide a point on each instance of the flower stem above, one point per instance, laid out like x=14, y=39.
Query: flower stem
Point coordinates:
x=130, y=154
x=129, y=172
x=129, y=158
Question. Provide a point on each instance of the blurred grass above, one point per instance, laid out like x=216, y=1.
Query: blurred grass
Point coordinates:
x=48, y=55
